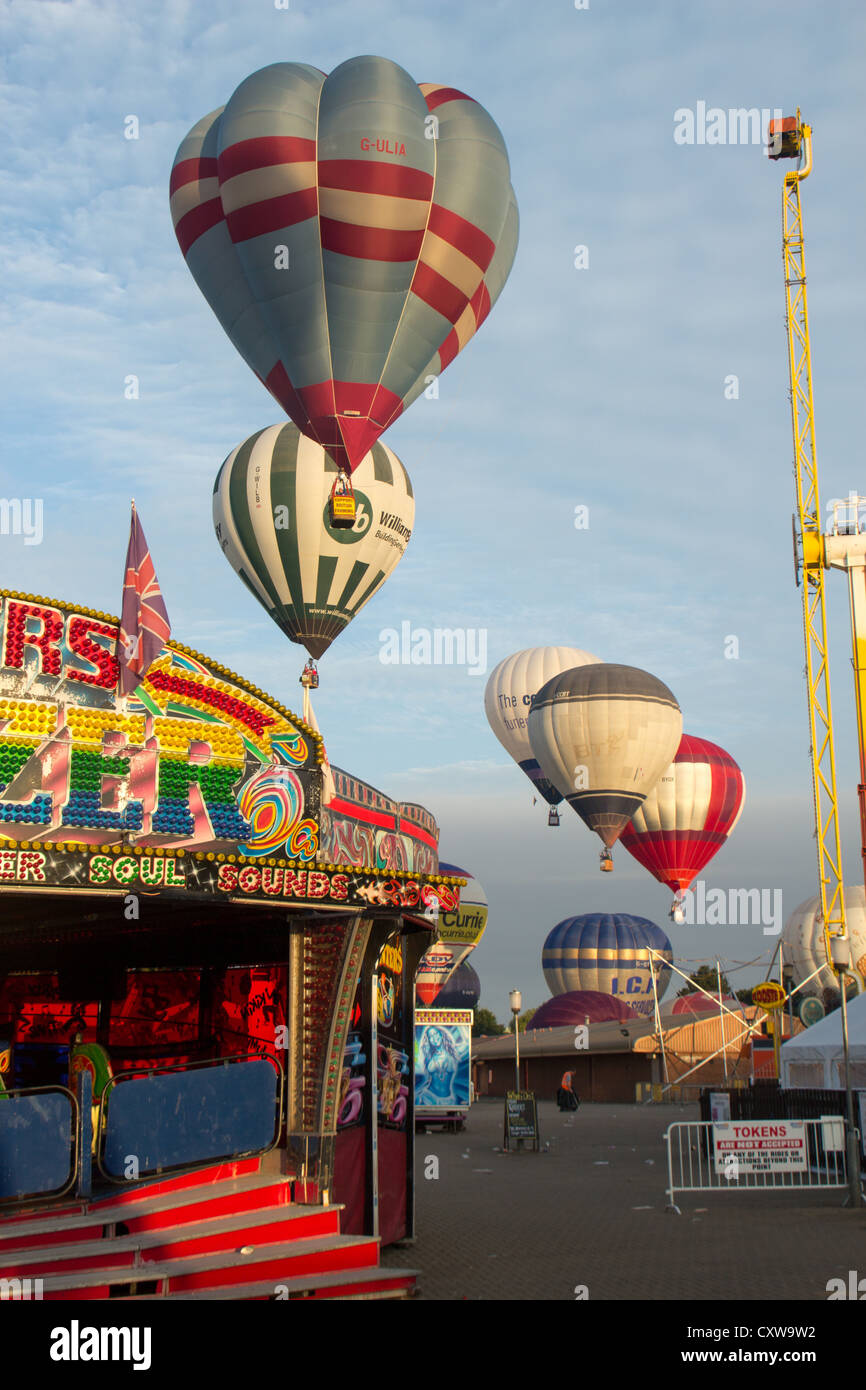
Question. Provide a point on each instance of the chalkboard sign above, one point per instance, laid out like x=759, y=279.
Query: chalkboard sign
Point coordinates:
x=521, y=1118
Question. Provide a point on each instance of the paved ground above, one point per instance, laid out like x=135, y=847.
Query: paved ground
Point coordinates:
x=591, y=1211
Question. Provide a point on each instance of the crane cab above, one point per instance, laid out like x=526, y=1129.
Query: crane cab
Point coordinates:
x=785, y=138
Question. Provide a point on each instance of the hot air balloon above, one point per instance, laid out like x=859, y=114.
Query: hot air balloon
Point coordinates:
x=434, y=969
x=804, y=948
x=462, y=930
x=581, y=1006
x=697, y=1003
x=270, y=510
x=608, y=952
x=350, y=232
x=461, y=991
x=687, y=816
x=508, y=696
x=603, y=735
x=459, y=933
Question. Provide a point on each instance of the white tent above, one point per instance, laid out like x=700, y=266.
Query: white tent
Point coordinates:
x=814, y=1057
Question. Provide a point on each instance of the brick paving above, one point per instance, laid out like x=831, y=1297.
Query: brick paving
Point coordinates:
x=591, y=1211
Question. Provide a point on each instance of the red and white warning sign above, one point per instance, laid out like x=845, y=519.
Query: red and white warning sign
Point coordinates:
x=760, y=1146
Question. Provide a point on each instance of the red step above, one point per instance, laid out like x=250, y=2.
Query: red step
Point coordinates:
x=149, y=1208
x=293, y=1261
x=183, y=1237
x=359, y=1284
x=228, y=1233
x=131, y=1192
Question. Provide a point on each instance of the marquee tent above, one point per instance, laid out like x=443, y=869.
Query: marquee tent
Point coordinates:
x=814, y=1057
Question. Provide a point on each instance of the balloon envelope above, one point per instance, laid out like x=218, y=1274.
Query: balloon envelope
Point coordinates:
x=698, y=1003
x=581, y=1006
x=608, y=952
x=461, y=991
x=603, y=735
x=350, y=232
x=508, y=696
x=804, y=949
x=434, y=969
x=688, y=814
x=459, y=934
x=462, y=930
x=270, y=512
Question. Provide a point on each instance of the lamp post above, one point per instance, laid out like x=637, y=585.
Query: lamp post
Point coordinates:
x=516, y=1003
x=841, y=953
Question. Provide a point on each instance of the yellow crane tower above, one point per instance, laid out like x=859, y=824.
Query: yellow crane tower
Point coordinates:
x=844, y=547
x=791, y=139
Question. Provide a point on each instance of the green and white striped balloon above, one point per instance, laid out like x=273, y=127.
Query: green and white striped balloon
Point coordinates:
x=270, y=510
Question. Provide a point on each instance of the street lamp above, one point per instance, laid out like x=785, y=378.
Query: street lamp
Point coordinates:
x=516, y=1003
x=841, y=953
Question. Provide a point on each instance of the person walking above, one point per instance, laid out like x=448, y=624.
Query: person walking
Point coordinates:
x=566, y=1096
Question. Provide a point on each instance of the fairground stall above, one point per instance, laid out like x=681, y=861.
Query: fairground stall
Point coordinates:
x=206, y=982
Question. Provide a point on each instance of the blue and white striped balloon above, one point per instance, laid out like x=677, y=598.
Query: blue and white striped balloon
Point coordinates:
x=608, y=952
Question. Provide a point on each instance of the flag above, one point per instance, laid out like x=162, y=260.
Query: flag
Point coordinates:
x=144, y=625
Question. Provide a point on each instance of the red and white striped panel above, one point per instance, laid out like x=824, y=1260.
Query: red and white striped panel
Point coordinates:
x=688, y=815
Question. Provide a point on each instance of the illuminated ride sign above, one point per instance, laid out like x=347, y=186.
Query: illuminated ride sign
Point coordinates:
x=769, y=995
x=198, y=783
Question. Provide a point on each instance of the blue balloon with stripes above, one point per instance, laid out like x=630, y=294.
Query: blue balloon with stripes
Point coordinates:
x=608, y=952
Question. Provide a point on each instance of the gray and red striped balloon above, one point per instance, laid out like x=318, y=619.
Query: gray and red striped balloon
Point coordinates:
x=688, y=815
x=603, y=735
x=350, y=232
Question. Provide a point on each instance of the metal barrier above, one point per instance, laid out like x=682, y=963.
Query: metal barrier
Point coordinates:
x=755, y=1155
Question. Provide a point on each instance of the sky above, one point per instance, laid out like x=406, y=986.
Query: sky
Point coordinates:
x=602, y=387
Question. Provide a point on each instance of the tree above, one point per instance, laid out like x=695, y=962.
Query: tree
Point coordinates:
x=486, y=1024
x=706, y=977
x=523, y=1020
x=745, y=995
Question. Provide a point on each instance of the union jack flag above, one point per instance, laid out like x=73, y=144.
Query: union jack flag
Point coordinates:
x=144, y=625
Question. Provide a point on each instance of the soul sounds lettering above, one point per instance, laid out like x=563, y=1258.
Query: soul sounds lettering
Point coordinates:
x=282, y=883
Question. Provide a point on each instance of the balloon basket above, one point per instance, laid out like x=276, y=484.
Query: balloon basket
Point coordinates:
x=606, y=864
x=342, y=508
x=553, y=816
x=309, y=677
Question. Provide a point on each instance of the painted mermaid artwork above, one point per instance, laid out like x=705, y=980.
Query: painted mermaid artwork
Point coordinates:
x=441, y=1083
